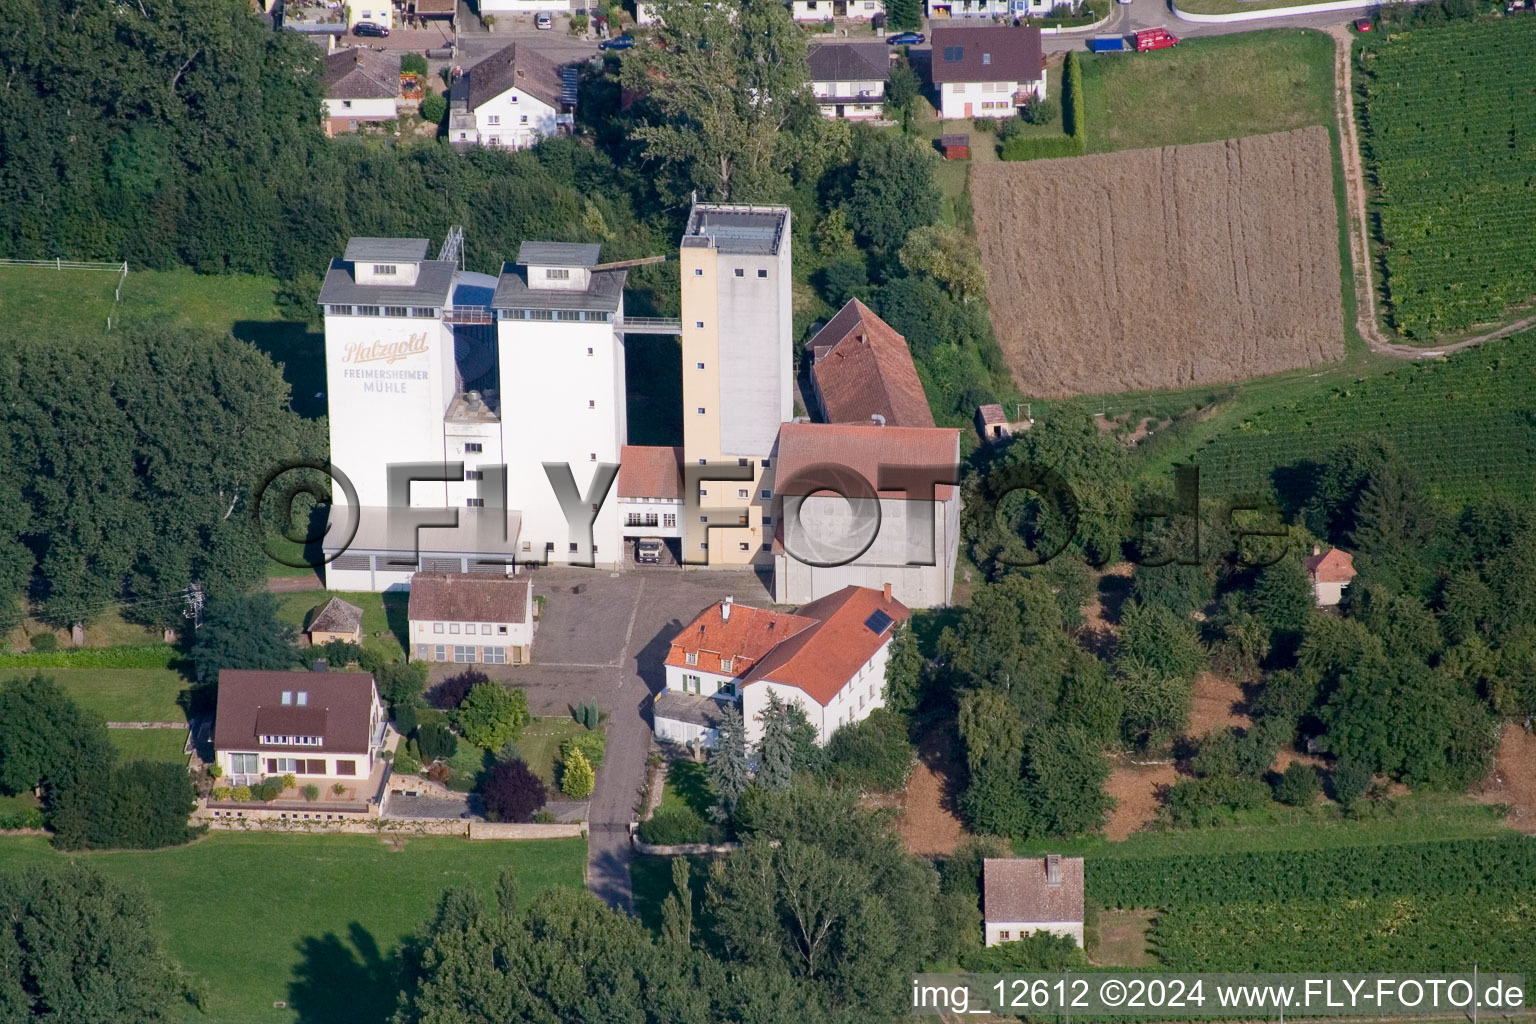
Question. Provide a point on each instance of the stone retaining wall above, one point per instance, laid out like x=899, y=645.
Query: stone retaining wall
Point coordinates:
x=274, y=821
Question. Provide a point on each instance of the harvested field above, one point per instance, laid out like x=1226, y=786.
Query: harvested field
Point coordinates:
x=1163, y=268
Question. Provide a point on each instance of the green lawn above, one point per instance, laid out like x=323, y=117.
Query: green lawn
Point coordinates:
x=687, y=785
x=540, y=744
x=123, y=694
x=149, y=744
x=310, y=921
x=384, y=614
x=1207, y=89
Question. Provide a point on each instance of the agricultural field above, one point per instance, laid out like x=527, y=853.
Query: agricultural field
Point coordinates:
x=291, y=929
x=1165, y=267
x=1450, y=143
x=1463, y=423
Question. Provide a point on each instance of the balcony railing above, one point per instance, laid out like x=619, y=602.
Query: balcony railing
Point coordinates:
x=651, y=325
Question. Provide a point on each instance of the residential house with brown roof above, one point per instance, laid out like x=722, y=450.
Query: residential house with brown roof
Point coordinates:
x=827, y=10
x=362, y=87
x=336, y=620
x=319, y=726
x=1330, y=572
x=869, y=506
x=511, y=99
x=1024, y=895
x=471, y=618
x=650, y=490
x=828, y=657
x=848, y=79
x=986, y=72
x=862, y=372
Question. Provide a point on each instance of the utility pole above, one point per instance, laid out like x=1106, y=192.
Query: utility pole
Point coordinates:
x=194, y=610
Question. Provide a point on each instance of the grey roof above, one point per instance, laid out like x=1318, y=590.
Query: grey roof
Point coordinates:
x=411, y=250
x=337, y=616
x=687, y=707
x=603, y=294
x=514, y=66
x=558, y=254
x=434, y=280
x=750, y=230
x=850, y=62
x=362, y=74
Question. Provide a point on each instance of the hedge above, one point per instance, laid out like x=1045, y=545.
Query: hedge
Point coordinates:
x=1027, y=147
x=1075, y=141
x=32, y=817
x=1455, y=867
x=122, y=656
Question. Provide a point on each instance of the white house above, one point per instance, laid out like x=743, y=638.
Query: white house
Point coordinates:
x=1330, y=572
x=319, y=726
x=826, y=10
x=993, y=8
x=471, y=618
x=375, y=12
x=848, y=79
x=362, y=86
x=1024, y=895
x=829, y=658
x=512, y=99
x=650, y=491
x=986, y=72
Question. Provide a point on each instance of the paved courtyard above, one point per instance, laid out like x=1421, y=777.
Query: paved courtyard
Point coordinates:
x=604, y=636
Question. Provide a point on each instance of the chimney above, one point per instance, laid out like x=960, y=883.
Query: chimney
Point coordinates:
x=887, y=591
x=1316, y=550
x=725, y=609
x=1053, y=869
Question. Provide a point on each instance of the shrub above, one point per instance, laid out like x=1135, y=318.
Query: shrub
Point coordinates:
x=593, y=746
x=985, y=124
x=404, y=763
x=338, y=789
x=268, y=790
x=311, y=792
x=1298, y=786
x=450, y=693
x=405, y=719
x=241, y=794
x=339, y=653
x=872, y=754
x=673, y=826
x=1040, y=951
x=413, y=64
x=1038, y=111
x=45, y=642
x=220, y=793
x=1022, y=147
x=290, y=780
x=1202, y=802
x=435, y=741
x=433, y=107
x=124, y=656
x=215, y=771
x=401, y=682
x=577, y=777
x=492, y=714
x=1351, y=779
x=143, y=805
x=587, y=715
x=511, y=792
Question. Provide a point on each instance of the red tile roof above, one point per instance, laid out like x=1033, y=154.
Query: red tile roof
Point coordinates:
x=648, y=472
x=742, y=637
x=864, y=449
x=1016, y=889
x=990, y=414
x=863, y=369
x=820, y=661
x=1332, y=566
x=468, y=597
x=338, y=706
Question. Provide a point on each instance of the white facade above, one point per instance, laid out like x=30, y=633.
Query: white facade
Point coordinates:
x=376, y=12
x=990, y=8
x=512, y=120
x=1328, y=594
x=820, y=517
x=362, y=110
x=651, y=517
x=524, y=6
x=985, y=99
x=826, y=10
x=491, y=643
x=862, y=693
x=1012, y=931
x=851, y=100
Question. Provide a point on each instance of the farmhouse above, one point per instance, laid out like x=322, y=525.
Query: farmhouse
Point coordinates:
x=848, y=79
x=471, y=618
x=336, y=620
x=826, y=10
x=511, y=99
x=1024, y=895
x=899, y=483
x=829, y=658
x=862, y=372
x=986, y=72
x=316, y=725
x=1330, y=572
x=362, y=86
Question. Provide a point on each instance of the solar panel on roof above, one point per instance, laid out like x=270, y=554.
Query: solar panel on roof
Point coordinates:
x=878, y=622
x=568, y=85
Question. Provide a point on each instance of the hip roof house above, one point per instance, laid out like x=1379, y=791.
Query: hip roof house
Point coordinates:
x=315, y=725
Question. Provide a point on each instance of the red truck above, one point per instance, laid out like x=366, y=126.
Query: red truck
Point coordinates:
x=1155, y=39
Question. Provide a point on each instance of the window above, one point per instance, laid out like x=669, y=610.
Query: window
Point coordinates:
x=558, y=273
x=704, y=545
x=1005, y=935
x=591, y=403
x=986, y=59
x=523, y=119
x=762, y=273
x=692, y=657
x=439, y=653
x=767, y=463
x=589, y=351
x=698, y=323
x=396, y=311
x=697, y=272
x=383, y=269
x=767, y=520
x=742, y=462
x=740, y=272
x=742, y=492
x=474, y=502
x=474, y=474
x=501, y=630
x=592, y=457
x=463, y=653
x=346, y=104
x=701, y=410
x=669, y=521
x=568, y=315
x=367, y=310
x=453, y=627
x=699, y=365
x=244, y=764
x=314, y=766
x=286, y=765
x=426, y=312
x=421, y=652
x=573, y=547
x=347, y=311
x=437, y=627
x=346, y=767
x=473, y=446
x=766, y=493
x=743, y=546
x=541, y=314
x=494, y=655
x=703, y=519
x=493, y=119
x=767, y=547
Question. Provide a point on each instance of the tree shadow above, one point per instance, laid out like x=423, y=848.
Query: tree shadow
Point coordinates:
x=298, y=352
x=396, y=613
x=337, y=982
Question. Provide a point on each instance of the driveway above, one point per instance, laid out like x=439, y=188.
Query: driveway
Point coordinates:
x=604, y=636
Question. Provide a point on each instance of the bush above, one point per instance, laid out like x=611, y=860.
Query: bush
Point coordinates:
x=1022, y=147
x=338, y=789
x=413, y=64
x=240, y=794
x=1350, y=781
x=45, y=642
x=577, y=777
x=492, y=714
x=405, y=719
x=215, y=771
x=511, y=792
x=1040, y=951
x=404, y=763
x=290, y=780
x=337, y=653
x=440, y=773
x=450, y=693
x=587, y=715
x=1298, y=786
x=220, y=793
x=124, y=656
x=433, y=107
x=1038, y=111
x=143, y=805
x=435, y=741
x=401, y=682
x=1202, y=802
x=673, y=826
x=593, y=746
x=872, y=754
x=268, y=790
x=985, y=124
x=311, y=792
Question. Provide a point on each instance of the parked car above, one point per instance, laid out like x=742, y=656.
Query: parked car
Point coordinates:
x=623, y=42
x=368, y=28
x=543, y=22
x=1155, y=39
x=1364, y=24
x=906, y=38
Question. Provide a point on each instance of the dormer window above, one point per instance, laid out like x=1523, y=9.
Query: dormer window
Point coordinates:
x=692, y=657
x=726, y=663
x=558, y=273
x=384, y=269
x=287, y=698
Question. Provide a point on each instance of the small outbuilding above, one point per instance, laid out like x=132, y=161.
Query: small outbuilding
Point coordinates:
x=1024, y=895
x=336, y=620
x=955, y=147
x=1330, y=572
